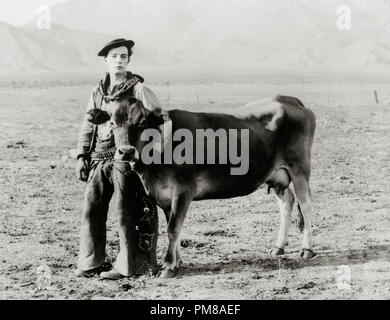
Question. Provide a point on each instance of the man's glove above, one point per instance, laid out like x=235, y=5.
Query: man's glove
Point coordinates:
x=82, y=169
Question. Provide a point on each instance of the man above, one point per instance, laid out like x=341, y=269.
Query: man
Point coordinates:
x=96, y=149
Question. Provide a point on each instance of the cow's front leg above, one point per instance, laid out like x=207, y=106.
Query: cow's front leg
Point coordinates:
x=168, y=214
x=180, y=206
x=285, y=200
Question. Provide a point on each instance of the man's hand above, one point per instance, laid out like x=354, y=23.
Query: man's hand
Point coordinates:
x=82, y=169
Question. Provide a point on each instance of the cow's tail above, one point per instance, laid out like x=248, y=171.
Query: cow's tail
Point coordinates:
x=301, y=221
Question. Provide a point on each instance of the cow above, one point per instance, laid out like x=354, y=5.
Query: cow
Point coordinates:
x=281, y=132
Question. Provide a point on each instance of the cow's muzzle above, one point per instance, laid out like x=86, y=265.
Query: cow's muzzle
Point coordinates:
x=126, y=153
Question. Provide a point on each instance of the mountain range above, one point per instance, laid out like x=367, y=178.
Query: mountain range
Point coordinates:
x=259, y=34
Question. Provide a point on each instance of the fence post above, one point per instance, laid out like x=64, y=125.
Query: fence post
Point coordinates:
x=376, y=97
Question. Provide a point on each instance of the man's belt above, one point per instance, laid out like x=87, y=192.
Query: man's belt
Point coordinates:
x=103, y=155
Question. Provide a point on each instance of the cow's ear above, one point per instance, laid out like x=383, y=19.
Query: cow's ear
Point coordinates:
x=153, y=120
x=98, y=116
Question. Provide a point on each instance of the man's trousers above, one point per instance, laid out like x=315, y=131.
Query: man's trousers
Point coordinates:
x=104, y=182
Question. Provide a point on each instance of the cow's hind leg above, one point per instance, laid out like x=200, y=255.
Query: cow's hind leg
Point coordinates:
x=303, y=194
x=285, y=200
x=180, y=205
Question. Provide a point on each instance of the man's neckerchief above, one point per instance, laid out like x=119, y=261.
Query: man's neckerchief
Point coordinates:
x=119, y=89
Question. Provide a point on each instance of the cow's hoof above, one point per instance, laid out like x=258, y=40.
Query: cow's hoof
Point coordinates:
x=307, y=254
x=276, y=251
x=166, y=273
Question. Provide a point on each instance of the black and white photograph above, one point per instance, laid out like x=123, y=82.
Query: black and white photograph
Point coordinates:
x=195, y=150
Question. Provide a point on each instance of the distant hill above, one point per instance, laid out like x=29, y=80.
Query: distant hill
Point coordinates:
x=29, y=49
x=283, y=34
x=267, y=34
x=33, y=50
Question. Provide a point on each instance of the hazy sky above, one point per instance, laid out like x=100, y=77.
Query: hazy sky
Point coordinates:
x=19, y=12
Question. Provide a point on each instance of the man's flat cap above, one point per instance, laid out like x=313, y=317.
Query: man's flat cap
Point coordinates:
x=115, y=44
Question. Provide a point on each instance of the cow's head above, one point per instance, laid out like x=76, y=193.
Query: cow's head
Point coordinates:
x=128, y=118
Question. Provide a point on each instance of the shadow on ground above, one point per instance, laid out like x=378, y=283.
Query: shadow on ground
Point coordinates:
x=292, y=261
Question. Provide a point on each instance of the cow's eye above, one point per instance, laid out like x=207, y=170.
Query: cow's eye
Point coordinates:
x=112, y=124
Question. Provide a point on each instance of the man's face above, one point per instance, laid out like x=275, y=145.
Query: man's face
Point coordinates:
x=117, y=60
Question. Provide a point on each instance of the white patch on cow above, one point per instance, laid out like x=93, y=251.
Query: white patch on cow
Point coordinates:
x=262, y=107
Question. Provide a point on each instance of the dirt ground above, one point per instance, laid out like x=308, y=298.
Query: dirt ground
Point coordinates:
x=225, y=242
